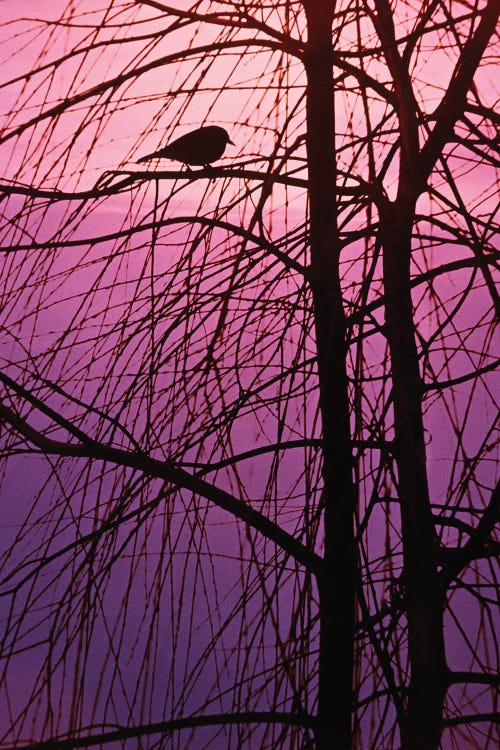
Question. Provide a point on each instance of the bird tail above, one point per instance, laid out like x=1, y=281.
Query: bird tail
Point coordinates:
x=148, y=157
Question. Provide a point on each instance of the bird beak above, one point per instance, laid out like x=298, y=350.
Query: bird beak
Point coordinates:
x=231, y=142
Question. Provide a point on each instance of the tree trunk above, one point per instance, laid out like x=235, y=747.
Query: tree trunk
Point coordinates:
x=422, y=593
x=337, y=580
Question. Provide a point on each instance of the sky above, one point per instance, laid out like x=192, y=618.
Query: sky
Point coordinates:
x=106, y=321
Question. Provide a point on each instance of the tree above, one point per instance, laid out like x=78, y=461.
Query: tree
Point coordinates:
x=251, y=403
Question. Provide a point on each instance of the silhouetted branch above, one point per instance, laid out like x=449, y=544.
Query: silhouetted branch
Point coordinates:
x=454, y=100
x=238, y=18
x=476, y=678
x=169, y=472
x=477, y=545
x=166, y=727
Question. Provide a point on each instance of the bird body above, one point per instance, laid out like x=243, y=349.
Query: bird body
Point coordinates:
x=199, y=147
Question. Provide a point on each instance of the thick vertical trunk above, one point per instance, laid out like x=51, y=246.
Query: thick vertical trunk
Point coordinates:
x=337, y=581
x=423, y=596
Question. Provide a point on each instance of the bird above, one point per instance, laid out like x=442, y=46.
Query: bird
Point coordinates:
x=199, y=147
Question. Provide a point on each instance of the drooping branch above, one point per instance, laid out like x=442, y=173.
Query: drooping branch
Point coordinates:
x=166, y=727
x=238, y=19
x=113, y=84
x=169, y=472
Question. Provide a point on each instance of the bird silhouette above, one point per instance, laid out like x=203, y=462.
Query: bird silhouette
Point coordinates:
x=199, y=147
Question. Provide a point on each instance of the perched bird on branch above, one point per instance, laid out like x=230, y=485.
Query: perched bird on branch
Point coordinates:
x=199, y=147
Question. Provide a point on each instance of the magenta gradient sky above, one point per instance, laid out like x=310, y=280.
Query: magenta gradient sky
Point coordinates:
x=125, y=136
